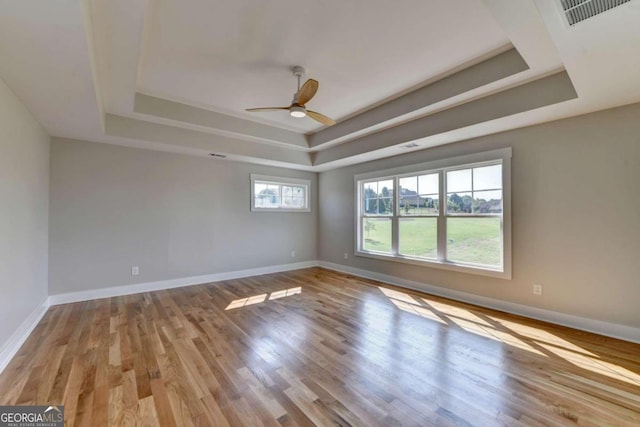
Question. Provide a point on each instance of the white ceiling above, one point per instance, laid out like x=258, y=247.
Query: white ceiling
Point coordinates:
x=44, y=60
x=230, y=55
x=78, y=64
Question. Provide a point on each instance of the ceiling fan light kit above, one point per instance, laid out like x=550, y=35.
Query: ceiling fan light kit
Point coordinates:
x=297, y=111
x=303, y=95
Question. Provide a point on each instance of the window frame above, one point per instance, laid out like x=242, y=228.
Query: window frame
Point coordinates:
x=280, y=181
x=441, y=166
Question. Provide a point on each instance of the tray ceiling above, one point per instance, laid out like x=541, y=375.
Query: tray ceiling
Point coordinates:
x=175, y=76
x=230, y=55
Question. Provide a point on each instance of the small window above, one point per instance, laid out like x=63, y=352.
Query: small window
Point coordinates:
x=276, y=194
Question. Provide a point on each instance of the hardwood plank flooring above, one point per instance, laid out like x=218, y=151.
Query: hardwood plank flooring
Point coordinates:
x=317, y=347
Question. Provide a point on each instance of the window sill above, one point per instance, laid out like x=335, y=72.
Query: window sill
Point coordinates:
x=461, y=268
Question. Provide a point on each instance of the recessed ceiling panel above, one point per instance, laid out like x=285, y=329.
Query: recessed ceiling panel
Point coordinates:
x=230, y=55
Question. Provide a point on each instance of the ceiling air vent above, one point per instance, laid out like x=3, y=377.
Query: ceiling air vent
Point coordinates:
x=410, y=145
x=579, y=10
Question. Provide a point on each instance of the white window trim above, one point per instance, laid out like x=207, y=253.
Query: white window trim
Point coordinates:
x=279, y=180
x=503, y=154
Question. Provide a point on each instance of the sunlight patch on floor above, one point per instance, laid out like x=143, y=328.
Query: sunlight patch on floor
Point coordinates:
x=257, y=299
x=400, y=296
x=457, y=315
x=494, y=334
x=456, y=311
x=541, y=335
x=514, y=334
x=243, y=302
x=285, y=293
x=597, y=366
x=415, y=309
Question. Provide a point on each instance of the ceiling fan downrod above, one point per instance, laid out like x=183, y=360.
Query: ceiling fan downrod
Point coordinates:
x=298, y=72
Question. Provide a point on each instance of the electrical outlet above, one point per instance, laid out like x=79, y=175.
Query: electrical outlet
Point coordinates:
x=293, y=254
x=346, y=255
x=537, y=289
x=135, y=270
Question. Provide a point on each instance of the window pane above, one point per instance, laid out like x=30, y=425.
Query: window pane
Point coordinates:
x=370, y=195
x=487, y=178
x=419, y=195
x=487, y=202
x=419, y=237
x=420, y=205
x=428, y=204
x=293, y=202
x=267, y=196
x=459, y=181
x=371, y=206
x=370, y=190
x=428, y=184
x=297, y=202
x=408, y=205
x=286, y=191
x=376, y=234
x=459, y=203
x=385, y=206
x=259, y=187
x=409, y=185
x=408, y=195
x=385, y=188
x=474, y=240
x=298, y=191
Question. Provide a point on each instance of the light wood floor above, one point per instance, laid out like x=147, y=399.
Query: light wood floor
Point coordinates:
x=317, y=347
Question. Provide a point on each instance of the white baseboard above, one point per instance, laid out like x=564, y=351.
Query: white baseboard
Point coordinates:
x=21, y=334
x=173, y=283
x=18, y=338
x=613, y=330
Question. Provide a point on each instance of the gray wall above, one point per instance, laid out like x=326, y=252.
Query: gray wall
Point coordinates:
x=576, y=217
x=24, y=201
x=172, y=215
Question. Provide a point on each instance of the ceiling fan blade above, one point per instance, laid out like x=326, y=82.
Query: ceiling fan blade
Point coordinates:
x=307, y=91
x=321, y=118
x=258, y=110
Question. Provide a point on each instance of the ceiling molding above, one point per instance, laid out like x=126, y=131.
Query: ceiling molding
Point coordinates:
x=426, y=131
x=118, y=30
x=221, y=124
x=543, y=92
x=144, y=74
x=488, y=71
x=125, y=127
x=87, y=19
x=416, y=103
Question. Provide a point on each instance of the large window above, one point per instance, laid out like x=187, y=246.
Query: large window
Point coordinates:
x=452, y=213
x=274, y=194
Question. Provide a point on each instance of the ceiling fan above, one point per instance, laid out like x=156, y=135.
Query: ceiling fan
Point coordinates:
x=303, y=95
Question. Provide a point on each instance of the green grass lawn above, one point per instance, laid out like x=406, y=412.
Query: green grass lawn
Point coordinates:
x=470, y=240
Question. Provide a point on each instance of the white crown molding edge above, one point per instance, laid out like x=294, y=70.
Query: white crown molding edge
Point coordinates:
x=18, y=338
x=116, y=291
x=600, y=327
